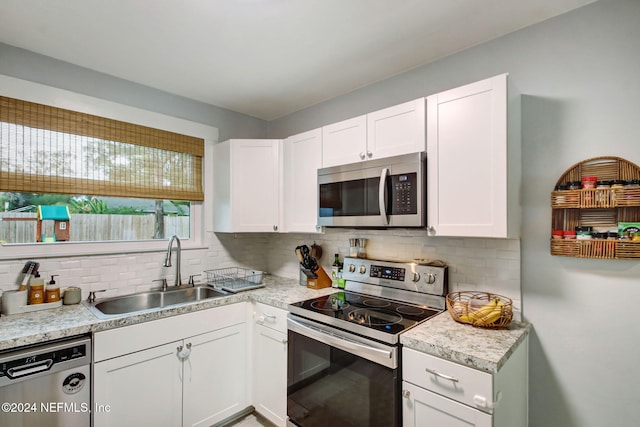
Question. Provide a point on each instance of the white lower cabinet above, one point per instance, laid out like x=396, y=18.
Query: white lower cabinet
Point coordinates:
x=439, y=392
x=214, y=377
x=142, y=388
x=147, y=374
x=422, y=407
x=269, y=379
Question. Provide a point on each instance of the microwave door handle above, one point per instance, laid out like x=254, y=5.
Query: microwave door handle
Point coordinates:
x=382, y=196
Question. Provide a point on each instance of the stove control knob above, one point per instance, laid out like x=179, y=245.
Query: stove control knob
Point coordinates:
x=416, y=277
x=363, y=269
x=430, y=279
x=352, y=268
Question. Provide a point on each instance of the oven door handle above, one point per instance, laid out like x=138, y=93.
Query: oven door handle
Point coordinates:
x=384, y=356
x=382, y=196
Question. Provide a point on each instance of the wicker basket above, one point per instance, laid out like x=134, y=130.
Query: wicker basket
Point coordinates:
x=463, y=306
x=600, y=208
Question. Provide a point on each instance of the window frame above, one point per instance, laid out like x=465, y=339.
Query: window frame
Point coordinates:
x=200, y=211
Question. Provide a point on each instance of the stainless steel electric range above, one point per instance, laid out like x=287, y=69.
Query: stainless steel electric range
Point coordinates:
x=344, y=358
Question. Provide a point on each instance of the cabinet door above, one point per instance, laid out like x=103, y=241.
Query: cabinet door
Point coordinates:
x=467, y=160
x=397, y=130
x=215, y=376
x=344, y=142
x=302, y=158
x=255, y=185
x=142, y=388
x=270, y=374
x=424, y=408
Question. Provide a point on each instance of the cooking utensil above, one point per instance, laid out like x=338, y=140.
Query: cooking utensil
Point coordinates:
x=305, y=255
x=299, y=254
x=305, y=250
x=310, y=274
x=312, y=263
x=316, y=251
x=29, y=268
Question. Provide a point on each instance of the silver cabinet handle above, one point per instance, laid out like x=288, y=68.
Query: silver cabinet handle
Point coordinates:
x=362, y=156
x=183, y=353
x=443, y=376
x=369, y=154
x=406, y=394
x=275, y=228
x=269, y=316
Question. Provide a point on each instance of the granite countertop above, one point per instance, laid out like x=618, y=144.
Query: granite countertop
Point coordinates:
x=40, y=326
x=440, y=336
x=480, y=348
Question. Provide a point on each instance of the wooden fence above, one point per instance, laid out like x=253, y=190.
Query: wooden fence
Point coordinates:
x=92, y=227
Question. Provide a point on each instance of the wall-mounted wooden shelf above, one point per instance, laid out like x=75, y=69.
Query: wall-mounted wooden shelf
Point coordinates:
x=600, y=208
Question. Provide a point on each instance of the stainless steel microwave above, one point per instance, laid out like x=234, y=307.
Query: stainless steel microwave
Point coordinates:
x=380, y=193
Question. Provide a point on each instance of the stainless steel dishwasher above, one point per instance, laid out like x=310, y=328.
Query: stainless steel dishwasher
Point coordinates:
x=47, y=385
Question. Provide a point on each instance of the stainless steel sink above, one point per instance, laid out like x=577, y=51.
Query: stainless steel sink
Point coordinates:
x=153, y=299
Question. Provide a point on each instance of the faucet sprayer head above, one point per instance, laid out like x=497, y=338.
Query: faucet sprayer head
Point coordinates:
x=167, y=259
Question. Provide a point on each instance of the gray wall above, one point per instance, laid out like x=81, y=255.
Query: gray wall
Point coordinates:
x=30, y=66
x=579, y=75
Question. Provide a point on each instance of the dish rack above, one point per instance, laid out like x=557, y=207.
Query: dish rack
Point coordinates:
x=234, y=279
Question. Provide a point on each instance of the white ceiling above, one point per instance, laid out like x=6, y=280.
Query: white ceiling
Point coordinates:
x=264, y=58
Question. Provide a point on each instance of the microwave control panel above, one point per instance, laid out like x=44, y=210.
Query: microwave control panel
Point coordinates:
x=404, y=194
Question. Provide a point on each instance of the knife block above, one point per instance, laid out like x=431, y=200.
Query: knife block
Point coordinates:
x=322, y=281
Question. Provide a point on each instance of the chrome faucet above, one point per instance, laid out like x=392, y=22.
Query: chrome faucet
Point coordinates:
x=167, y=260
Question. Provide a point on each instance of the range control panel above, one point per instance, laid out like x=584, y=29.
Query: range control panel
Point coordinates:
x=383, y=272
x=410, y=276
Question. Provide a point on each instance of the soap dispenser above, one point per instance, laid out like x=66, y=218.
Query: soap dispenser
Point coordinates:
x=36, y=289
x=52, y=294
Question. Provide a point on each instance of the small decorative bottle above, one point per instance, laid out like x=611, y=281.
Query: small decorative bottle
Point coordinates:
x=335, y=270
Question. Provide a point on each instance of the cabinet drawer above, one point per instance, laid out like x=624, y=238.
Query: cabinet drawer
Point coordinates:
x=466, y=385
x=425, y=408
x=271, y=317
x=120, y=341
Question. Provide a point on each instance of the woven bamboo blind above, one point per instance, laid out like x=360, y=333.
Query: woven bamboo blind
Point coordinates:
x=45, y=149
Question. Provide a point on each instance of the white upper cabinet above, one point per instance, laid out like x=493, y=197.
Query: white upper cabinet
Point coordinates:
x=247, y=183
x=472, y=161
x=389, y=132
x=344, y=142
x=302, y=158
x=396, y=130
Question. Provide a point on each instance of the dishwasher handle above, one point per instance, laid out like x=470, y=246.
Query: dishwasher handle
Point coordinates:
x=29, y=369
x=24, y=364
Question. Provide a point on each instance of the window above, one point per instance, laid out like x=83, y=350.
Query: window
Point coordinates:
x=70, y=176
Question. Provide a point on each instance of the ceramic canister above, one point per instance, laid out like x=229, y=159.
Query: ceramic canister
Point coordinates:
x=71, y=295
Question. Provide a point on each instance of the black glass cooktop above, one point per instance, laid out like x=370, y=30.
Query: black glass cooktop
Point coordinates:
x=371, y=312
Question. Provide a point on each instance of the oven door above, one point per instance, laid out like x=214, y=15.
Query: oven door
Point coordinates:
x=339, y=379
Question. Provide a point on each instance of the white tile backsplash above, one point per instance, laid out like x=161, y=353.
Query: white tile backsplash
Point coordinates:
x=491, y=265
